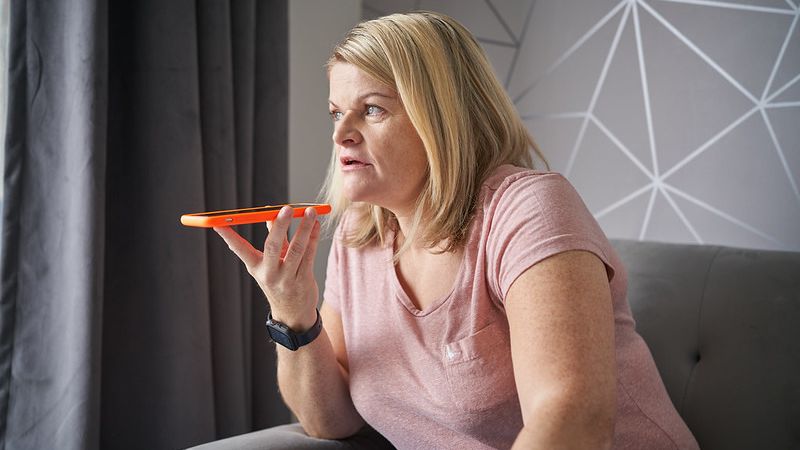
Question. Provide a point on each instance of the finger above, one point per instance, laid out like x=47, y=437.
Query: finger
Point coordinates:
x=307, y=264
x=239, y=246
x=285, y=241
x=273, y=244
x=297, y=247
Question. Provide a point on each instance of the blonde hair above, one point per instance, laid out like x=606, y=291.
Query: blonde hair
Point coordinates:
x=465, y=119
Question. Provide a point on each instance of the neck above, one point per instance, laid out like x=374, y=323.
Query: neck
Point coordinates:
x=404, y=224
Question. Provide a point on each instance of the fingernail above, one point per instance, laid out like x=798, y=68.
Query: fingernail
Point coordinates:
x=286, y=211
x=311, y=213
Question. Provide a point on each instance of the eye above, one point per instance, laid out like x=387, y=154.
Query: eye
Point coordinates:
x=336, y=115
x=373, y=110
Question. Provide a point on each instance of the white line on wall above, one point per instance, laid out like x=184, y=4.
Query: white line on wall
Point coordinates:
x=503, y=23
x=780, y=57
x=624, y=200
x=709, y=143
x=513, y=65
x=785, y=87
x=678, y=211
x=781, y=156
x=648, y=213
x=620, y=145
x=565, y=115
x=645, y=90
x=783, y=105
x=738, y=6
x=578, y=44
x=722, y=214
x=699, y=52
x=598, y=87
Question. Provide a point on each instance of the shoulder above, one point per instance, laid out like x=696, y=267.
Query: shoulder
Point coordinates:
x=529, y=189
x=511, y=179
x=529, y=215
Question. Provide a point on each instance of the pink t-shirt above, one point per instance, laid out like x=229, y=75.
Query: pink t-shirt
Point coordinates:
x=442, y=377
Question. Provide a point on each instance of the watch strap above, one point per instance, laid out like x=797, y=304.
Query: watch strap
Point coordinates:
x=293, y=340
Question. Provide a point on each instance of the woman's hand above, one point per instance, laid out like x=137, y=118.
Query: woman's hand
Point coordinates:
x=284, y=270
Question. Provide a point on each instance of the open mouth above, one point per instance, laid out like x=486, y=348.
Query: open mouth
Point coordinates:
x=352, y=162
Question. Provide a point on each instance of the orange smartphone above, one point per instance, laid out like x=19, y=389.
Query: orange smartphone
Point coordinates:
x=248, y=215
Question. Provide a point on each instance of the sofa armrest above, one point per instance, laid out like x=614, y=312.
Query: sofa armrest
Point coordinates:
x=723, y=325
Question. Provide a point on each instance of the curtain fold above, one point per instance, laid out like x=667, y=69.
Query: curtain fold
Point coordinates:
x=119, y=328
x=53, y=233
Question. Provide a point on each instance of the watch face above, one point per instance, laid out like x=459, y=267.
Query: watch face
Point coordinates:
x=279, y=336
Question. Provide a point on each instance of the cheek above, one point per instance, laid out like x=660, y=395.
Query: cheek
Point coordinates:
x=417, y=157
x=401, y=155
x=418, y=166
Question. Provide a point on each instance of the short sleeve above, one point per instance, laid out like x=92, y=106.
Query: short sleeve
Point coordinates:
x=532, y=216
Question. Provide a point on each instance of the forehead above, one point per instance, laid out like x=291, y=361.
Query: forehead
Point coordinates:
x=348, y=80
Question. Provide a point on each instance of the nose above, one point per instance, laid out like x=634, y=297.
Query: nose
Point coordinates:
x=345, y=132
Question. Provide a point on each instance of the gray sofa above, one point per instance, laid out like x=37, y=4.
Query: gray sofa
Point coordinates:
x=723, y=325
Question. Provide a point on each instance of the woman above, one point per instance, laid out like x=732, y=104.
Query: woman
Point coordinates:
x=471, y=301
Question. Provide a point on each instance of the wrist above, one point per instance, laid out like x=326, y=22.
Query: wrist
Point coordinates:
x=282, y=334
x=297, y=321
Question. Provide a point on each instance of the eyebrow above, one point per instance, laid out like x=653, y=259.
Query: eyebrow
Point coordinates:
x=368, y=94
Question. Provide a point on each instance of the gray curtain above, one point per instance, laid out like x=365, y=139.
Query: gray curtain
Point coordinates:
x=119, y=328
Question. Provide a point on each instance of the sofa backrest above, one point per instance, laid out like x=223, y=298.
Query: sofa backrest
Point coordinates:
x=723, y=325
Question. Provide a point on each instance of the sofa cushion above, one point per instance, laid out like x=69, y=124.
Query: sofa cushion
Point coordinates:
x=723, y=325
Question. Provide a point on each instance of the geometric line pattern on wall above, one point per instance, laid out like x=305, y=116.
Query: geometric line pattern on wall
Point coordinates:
x=740, y=104
x=659, y=181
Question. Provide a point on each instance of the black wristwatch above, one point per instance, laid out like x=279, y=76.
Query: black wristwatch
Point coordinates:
x=284, y=335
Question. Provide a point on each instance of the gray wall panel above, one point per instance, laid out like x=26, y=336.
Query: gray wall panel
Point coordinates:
x=676, y=120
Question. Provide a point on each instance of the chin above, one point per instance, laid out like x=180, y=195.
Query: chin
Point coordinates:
x=356, y=197
x=364, y=199
x=360, y=192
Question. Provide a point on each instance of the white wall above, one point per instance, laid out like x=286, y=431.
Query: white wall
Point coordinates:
x=315, y=26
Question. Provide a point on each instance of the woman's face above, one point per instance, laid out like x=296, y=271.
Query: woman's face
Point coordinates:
x=380, y=154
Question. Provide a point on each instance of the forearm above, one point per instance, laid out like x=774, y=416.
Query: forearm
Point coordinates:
x=314, y=387
x=311, y=380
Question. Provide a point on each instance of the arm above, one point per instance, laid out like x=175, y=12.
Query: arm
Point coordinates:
x=562, y=345
x=312, y=380
x=313, y=383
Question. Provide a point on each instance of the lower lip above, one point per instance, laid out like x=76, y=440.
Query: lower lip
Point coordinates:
x=355, y=166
